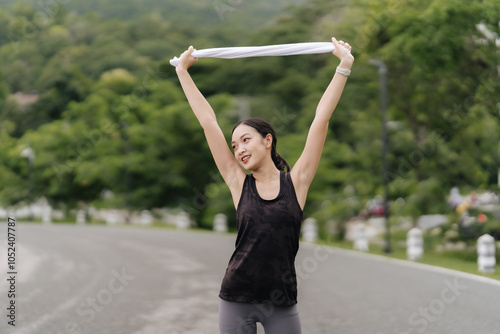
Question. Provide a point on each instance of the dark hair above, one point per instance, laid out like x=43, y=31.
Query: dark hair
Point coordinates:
x=264, y=128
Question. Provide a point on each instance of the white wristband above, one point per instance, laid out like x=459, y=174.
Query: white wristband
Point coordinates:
x=343, y=71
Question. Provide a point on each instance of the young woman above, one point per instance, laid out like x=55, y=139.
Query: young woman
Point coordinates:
x=260, y=282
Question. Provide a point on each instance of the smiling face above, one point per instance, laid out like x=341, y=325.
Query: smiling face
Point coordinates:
x=250, y=148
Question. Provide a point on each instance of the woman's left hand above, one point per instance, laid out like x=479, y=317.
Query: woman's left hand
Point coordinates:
x=343, y=52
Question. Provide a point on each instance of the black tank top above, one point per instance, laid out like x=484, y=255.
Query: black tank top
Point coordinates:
x=261, y=269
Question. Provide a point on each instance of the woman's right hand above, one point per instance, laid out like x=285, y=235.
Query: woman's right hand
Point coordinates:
x=186, y=60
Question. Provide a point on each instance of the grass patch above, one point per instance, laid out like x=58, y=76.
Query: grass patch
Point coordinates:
x=465, y=261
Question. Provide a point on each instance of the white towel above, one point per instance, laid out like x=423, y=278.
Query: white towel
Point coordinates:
x=260, y=51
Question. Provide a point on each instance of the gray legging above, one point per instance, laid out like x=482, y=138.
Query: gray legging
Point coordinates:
x=242, y=318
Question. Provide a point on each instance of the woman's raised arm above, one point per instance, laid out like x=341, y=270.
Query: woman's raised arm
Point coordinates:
x=303, y=171
x=229, y=168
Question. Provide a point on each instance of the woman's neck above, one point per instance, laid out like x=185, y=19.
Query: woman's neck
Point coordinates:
x=266, y=173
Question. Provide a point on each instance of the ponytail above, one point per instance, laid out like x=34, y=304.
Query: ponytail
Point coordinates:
x=264, y=128
x=279, y=161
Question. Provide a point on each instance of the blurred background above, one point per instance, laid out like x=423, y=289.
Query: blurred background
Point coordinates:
x=94, y=126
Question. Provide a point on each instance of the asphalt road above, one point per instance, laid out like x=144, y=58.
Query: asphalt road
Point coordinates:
x=92, y=279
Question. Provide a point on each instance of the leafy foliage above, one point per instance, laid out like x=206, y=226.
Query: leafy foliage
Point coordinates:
x=110, y=115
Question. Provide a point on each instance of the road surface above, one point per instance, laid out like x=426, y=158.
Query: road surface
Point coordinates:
x=133, y=280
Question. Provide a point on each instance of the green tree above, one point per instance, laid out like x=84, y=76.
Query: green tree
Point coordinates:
x=441, y=81
x=111, y=115
x=13, y=171
x=4, y=91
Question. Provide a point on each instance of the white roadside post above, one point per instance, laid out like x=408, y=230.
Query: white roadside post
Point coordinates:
x=486, y=254
x=220, y=223
x=183, y=221
x=146, y=217
x=80, y=217
x=361, y=241
x=414, y=244
x=111, y=217
x=47, y=215
x=310, y=230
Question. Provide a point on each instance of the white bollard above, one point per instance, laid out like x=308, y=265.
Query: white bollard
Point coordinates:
x=146, y=217
x=361, y=240
x=183, y=221
x=80, y=217
x=310, y=230
x=47, y=215
x=220, y=223
x=486, y=254
x=414, y=244
x=111, y=217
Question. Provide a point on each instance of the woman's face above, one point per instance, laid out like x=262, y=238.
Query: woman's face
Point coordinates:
x=250, y=149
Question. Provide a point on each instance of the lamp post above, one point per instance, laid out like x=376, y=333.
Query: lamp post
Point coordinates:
x=126, y=169
x=30, y=156
x=382, y=71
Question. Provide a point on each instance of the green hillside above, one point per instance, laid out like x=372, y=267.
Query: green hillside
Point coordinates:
x=197, y=14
